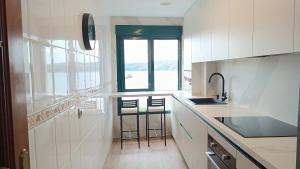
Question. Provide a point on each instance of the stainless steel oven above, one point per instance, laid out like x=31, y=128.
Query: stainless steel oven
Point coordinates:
x=218, y=157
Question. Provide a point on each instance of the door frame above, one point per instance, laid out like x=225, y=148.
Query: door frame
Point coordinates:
x=14, y=126
x=298, y=138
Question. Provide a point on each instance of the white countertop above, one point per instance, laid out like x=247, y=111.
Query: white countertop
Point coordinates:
x=273, y=153
x=140, y=94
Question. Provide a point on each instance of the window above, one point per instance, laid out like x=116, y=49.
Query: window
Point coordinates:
x=166, y=64
x=136, y=64
x=149, y=58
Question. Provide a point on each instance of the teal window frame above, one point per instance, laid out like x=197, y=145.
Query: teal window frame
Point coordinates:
x=150, y=33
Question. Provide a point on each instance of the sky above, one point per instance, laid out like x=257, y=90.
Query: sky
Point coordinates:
x=136, y=51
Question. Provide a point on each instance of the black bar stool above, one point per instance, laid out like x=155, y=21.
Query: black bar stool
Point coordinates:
x=156, y=106
x=129, y=108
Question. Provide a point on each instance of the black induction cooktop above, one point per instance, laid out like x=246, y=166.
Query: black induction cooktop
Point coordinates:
x=258, y=126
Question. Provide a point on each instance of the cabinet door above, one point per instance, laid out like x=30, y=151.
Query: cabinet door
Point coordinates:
x=220, y=29
x=190, y=134
x=241, y=28
x=199, y=133
x=186, y=144
x=297, y=27
x=187, y=52
x=273, y=27
x=196, y=36
x=244, y=163
x=205, y=22
x=174, y=124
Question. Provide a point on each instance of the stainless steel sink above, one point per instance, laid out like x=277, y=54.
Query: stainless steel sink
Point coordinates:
x=206, y=101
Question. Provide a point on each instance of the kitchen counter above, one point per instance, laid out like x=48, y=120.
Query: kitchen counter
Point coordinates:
x=273, y=153
x=142, y=94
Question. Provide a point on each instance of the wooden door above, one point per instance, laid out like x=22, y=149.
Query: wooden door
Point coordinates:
x=297, y=27
x=298, y=138
x=13, y=114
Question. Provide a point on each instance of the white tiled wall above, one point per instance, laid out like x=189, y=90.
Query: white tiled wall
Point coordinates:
x=45, y=145
x=57, y=68
x=56, y=64
x=68, y=142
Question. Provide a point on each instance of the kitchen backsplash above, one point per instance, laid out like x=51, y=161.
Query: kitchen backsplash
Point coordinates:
x=267, y=84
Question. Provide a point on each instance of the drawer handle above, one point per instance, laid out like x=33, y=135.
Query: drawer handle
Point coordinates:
x=190, y=136
x=225, y=157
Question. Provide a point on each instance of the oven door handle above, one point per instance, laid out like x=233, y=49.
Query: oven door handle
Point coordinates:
x=215, y=161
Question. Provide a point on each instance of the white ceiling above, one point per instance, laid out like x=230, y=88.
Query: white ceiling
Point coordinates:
x=177, y=8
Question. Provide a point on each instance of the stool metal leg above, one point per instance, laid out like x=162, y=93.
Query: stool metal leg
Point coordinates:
x=161, y=126
x=148, y=129
x=165, y=128
x=146, y=126
x=138, y=129
x=121, y=129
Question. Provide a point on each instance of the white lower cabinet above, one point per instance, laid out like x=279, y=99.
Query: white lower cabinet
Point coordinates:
x=185, y=142
x=190, y=134
x=243, y=162
x=199, y=142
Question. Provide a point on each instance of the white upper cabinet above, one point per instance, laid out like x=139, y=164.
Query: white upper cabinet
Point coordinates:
x=297, y=26
x=205, y=21
x=273, y=27
x=187, y=41
x=187, y=52
x=241, y=28
x=227, y=29
x=220, y=29
x=196, y=37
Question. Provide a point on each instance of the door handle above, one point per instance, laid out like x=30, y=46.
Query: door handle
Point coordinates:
x=24, y=159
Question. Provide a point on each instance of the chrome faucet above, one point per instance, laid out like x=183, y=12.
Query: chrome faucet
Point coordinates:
x=224, y=94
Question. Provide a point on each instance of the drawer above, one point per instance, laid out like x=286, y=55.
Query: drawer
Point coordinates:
x=194, y=124
x=244, y=163
x=186, y=143
x=225, y=144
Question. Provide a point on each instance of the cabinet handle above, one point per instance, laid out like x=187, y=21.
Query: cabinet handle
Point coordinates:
x=225, y=157
x=24, y=157
x=189, y=135
x=79, y=113
x=213, y=144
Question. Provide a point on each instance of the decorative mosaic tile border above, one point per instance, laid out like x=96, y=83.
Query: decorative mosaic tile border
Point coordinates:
x=50, y=112
x=42, y=116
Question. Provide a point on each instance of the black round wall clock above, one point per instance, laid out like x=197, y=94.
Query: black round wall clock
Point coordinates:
x=88, y=31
